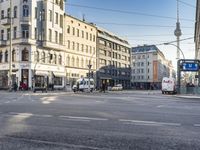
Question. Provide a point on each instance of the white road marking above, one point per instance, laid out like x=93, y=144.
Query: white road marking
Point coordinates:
x=160, y=106
x=197, y=125
x=153, y=123
x=7, y=102
x=84, y=118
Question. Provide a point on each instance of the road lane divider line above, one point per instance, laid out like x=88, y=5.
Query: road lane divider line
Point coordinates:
x=84, y=118
x=81, y=120
x=140, y=122
x=197, y=125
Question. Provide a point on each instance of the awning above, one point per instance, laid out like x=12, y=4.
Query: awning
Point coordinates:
x=42, y=73
x=59, y=74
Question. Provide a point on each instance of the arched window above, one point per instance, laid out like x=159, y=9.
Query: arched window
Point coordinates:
x=15, y=12
x=68, y=61
x=86, y=63
x=25, y=55
x=77, y=62
x=1, y=57
x=25, y=10
x=55, y=59
x=73, y=61
x=60, y=59
x=37, y=56
x=8, y=12
x=6, y=56
x=49, y=58
x=43, y=57
x=13, y=55
x=82, y=63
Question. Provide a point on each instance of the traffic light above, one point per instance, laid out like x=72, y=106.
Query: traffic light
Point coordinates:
x=92, y=74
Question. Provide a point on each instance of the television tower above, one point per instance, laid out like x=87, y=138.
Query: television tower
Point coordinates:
x=177, y=32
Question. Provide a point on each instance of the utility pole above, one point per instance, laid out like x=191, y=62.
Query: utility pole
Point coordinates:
x=10, y=53
x=177, y=32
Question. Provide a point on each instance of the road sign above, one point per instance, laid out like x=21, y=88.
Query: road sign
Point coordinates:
x=190, y=66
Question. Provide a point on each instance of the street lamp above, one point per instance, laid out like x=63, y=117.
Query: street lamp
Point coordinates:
x=10, y=52
x=177, y=48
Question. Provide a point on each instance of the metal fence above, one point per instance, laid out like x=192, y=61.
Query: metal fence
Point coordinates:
x=190, y=90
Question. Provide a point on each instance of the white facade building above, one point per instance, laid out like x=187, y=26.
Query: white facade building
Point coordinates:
x=149, y=66
x=37, y=34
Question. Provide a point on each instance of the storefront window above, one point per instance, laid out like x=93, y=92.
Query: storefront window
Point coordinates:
x=58, y=81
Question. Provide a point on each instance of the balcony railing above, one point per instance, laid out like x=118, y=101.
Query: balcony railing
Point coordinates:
x=5, y=21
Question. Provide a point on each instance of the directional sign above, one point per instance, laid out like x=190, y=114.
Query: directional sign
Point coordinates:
x=190, y=66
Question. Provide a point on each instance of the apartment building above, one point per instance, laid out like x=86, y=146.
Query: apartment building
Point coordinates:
x=80, y=40
x=197, y=31
x=149, y=66
x=113, y=60
x=37, y=36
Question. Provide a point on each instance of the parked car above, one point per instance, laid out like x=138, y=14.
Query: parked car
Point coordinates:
x=117, y=87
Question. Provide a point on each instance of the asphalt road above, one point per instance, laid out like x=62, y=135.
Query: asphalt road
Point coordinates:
x=128, y=120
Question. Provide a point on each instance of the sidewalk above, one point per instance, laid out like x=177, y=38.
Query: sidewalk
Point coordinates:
x=188, y=96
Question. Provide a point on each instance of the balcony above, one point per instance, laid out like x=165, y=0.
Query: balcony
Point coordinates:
x=3, y=43
x=5, y=21
x=25, y=20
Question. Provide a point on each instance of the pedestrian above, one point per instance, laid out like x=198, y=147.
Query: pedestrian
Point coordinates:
x=104, y=87
x=15, y=86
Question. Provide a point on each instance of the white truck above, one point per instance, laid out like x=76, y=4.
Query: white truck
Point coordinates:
x=168, y=85
x=83, y=84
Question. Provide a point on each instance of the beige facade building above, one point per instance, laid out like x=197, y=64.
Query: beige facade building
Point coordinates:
x=80, y=41
x=149, y=66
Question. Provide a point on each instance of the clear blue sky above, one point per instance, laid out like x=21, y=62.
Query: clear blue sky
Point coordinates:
x=125, y=23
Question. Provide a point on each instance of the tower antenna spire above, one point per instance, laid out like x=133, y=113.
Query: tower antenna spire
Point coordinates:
x=177, y=32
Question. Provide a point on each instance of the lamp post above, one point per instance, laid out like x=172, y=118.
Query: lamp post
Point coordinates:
x=177, y=48
x=10, y=51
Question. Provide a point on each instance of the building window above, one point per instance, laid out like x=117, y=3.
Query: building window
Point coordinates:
x=25, y=31
x=50, y=15
x=49, y=58
x=73, y=45
x=58, y=81
x=2, y=14
x=25, y=10
x=25, y=55
x=43, y=57
x=8, y=33
x=15, y=32
x=37, y=57
x=73, y=61
x=55, y=59
x=13, y=55
x=77, y=62
x=2, y=35
x=6, y=56
x=56, y=36
x=60, y=60
x=36, y=35
x=1, y=57
x=82, y=62
x=8, y=12
x=56, y=18
x=68, y=44
x=68, y=29
x=50, y=35
x=15, y=12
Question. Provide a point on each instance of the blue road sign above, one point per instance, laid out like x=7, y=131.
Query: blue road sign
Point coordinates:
x=190, y=66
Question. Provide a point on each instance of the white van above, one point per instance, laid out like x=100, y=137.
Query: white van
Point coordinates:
x=82, y=84
x=168, y=85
